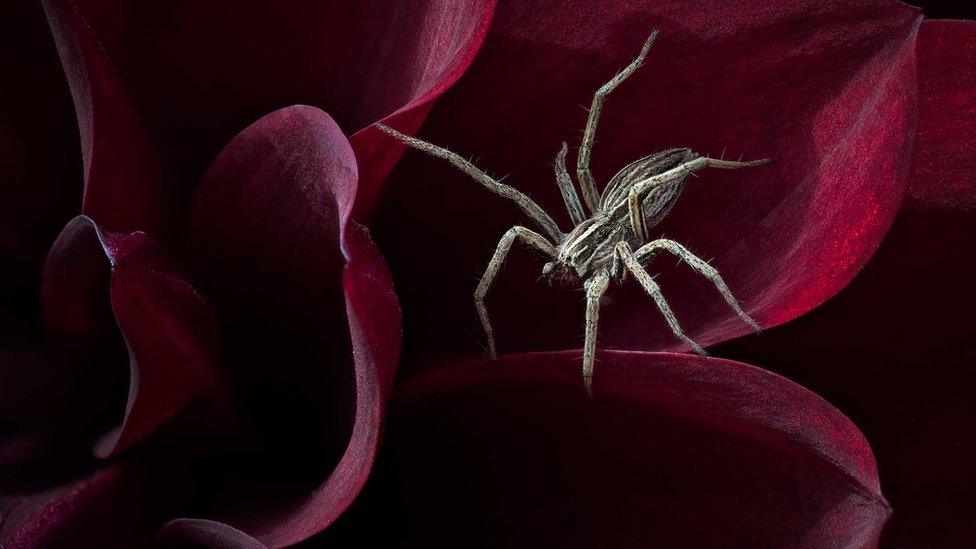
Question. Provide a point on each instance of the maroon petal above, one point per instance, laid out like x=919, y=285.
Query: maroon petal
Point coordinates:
x=168, y=327
x=189, y=533
x=895, y=349
x=38, y=194
x=673, y=450
x=312, y=319
x=124, y=186
x=945, y=149
x=826, y=89
x=202, y=71
x=114, y=507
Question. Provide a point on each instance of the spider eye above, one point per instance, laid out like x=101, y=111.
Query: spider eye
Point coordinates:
x=548, y=268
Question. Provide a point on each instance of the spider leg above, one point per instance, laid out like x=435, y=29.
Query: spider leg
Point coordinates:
x=566, y=188
x=595, y=286
x=504, y=245
x=527, y=205
x=654, y=290
x=682, y=170
x=649, y=250
x=587, y=184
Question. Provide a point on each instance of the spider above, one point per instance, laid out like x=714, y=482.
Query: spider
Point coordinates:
x=601, y=246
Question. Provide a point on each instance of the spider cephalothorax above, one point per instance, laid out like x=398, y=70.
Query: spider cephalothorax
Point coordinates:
x=613, y=239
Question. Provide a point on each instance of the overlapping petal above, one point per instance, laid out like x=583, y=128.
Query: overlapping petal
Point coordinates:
x=894, y=350
x=125, y=186
x=38, y=156
x=826, y=89
x=200, y=72
x=169, y=329
x=672, y=450
x=311, y=319
x=114, y=507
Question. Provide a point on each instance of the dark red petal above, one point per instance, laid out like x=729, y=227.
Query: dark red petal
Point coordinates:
x=189, y=533
x=114, y=507
x=168, y=327
x=945, y=146
x=672, y=450
x=312, y=321
x=200, y=72
x=38, y=194
x=124, y=184
x=826, y=89
x=895, y=349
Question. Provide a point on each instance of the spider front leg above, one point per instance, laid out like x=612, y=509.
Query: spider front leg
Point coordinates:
x=504, y=245
x=595, y=287
x=649, y=250
x=654, y=291
x=587, y=183
x=526, y=204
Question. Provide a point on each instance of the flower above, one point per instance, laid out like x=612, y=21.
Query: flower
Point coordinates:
x=221, y=254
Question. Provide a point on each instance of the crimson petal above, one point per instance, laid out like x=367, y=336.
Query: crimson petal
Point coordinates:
x=168, y=327
x=895, y=349
x=124, y=184
x=310, y=313
x=945, y=150
x=827, y=89
x=202, y=71
x=673, y=450
x=113, y=507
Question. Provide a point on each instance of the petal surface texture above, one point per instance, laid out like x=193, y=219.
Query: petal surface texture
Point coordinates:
x=827, y=90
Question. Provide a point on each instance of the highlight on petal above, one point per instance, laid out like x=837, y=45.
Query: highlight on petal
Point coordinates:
x=114, y=507
x=827, y=90
x=125, y=188
x=945, y=149
x=672, y=450
x=169, y=329
x=895, y=349
x=200, y=72
x=312, y=322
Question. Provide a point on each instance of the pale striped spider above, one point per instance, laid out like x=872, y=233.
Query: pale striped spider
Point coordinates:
x=600, y=247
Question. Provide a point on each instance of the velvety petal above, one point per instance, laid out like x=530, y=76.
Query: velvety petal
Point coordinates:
x=312, y=321
x=945, y=147
x=191, y=533
x=37, y=195
x=168, y=327
x=895, y=349
x=200, y=72
x=114, y=507
x=827, y=89
x=125, y=187
x=673, y=450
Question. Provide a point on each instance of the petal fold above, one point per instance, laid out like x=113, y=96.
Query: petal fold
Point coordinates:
x=201, y=72
x=311, y=315
x=169, y=329
x=125, y=186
